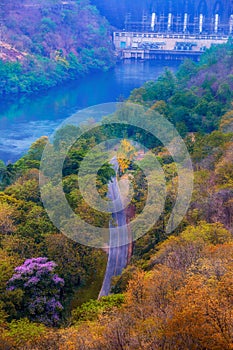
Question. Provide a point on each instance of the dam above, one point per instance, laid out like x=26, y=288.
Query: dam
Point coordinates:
x=154, y=29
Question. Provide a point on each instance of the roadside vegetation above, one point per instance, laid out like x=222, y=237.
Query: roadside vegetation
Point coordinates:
x=177, y=291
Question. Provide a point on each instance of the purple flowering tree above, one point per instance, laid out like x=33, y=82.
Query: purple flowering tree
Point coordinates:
x=42, y=290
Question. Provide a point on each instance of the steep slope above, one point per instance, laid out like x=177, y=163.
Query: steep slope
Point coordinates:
x=49, y=41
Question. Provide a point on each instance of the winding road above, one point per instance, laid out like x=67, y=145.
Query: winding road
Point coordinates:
x=118, y=233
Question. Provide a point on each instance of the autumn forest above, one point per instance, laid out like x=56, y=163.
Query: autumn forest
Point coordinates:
x=176, y=292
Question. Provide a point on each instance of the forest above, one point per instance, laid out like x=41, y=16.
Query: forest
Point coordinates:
x=177, y=291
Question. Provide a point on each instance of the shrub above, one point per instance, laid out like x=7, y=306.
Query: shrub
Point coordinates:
x=93, y=308
x=22, y=332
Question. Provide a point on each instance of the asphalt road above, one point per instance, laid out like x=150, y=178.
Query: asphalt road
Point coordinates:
x=118, y=233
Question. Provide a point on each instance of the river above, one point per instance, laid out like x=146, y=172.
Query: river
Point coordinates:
x=27, y=118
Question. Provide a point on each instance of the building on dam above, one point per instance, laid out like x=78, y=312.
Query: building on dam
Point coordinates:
x=169, y=28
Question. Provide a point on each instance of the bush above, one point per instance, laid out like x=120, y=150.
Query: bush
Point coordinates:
x=92, y=309
x=22, y=332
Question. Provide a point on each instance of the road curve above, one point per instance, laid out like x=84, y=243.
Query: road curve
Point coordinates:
x=118, y=237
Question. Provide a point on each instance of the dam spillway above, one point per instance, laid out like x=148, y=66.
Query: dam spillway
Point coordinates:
x=170, y=29
x=177, y=16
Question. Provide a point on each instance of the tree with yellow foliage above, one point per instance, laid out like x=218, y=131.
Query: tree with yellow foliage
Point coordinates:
x=125, y=154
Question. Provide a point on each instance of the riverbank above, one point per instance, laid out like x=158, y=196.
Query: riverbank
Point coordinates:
x=18, y=80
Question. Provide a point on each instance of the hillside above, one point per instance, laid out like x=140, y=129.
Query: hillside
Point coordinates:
x=177, y=292
x=46, y=42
